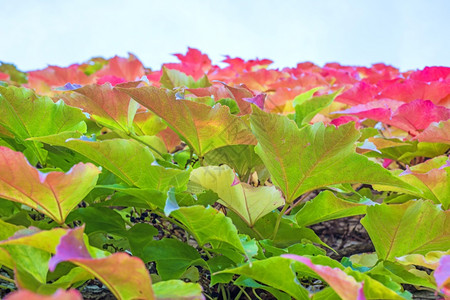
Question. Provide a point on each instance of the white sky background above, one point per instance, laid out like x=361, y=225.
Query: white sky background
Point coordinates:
x=408, y=34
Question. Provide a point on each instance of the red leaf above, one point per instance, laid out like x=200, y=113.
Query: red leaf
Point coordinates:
x=194, y=63
x=360, y=93
x=128, y=69
x=431, y=74
x=409, y=90
x=54, y=76
x=412, y=117
x=4, y=76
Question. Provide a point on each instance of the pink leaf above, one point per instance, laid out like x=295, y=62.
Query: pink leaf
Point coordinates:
x=442, y=275
x=344, y=285
x=60, y=294
x=113, y=80
x=125, y=276
x=258, y=100
x=431, y=74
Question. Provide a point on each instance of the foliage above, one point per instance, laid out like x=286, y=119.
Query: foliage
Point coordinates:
x=198, y=181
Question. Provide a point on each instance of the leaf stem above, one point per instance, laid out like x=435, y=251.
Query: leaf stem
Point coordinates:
x=302, y=198
x=135, y=137
x=257, y=233
x=277, y=224
x=6, y=279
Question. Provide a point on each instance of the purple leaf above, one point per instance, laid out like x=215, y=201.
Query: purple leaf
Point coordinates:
x=70, y=247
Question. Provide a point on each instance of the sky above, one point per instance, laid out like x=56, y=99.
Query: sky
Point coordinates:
x=408, y=34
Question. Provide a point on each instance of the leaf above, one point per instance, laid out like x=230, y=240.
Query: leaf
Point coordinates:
x=99, y=219
x=28, y=252
x=281, y=277
x=412, y=117
x=326, y=206
x=432, y=178
x=344, y=285
x=7, y=229
x=21, y=114
x=106, y=105
x=172, y=257
x=302, y=160
x=403, y=274
x=173, y=79
x=436, y=133
x=177, y=289
x=45, y=240
x=250, y=203
x=127, y=159
x=28, y=261
x=242, y=158
x=138, y=236
x=207, y=225
x=288, y=234
x=306, y=110
x=248, y=282
x=128, y=69
x=442, y=275
x=125, y=276
x=429, y=260
x=14, y=74
x=54, y=194
x=71, y=294
x=202, y=127
x=415, y=227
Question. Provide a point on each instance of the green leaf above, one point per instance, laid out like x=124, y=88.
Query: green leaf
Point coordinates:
x=250, y=203
x=248, y=282
x=54, y=194
x=403, y=274
x=207, y=225
x=429, y=260
x=326, y=206
x=7, y=229
x=302, y=160
x=232, y=104
x=289, y=233
x=242, y=158
x=307, y=109
x=45, y=240
x=432, y=178
x=173, y=79
x=275, y=272
x=29, y=259
x=127, y=159
x=13, y=72
x=415, y=227
x=202, y=127
x=21, y=114
x=99, y=219
x=177, y=289
x=138, y=236
x=172, y=257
